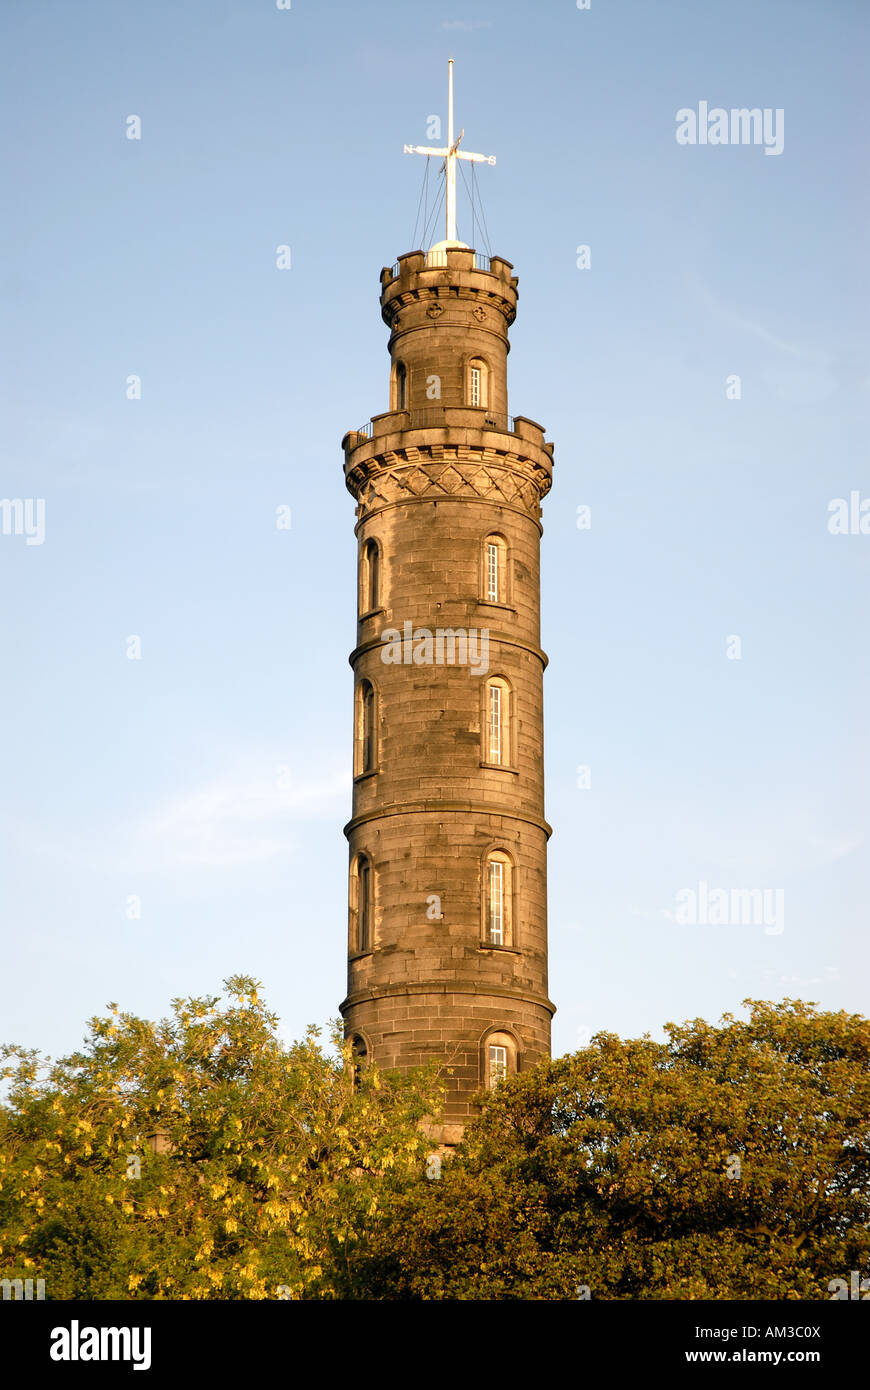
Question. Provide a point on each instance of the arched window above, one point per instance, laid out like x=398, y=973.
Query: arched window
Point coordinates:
x=364, y=907
x=497, y=1063
x=497, y=723
x=361, y=905
x=494, y=570
x=477, y=382
x=498, y=910
x=499, y=1057
x=401, y=386
x=359, y=1057
x=370, y=577
x=496, y=901
x=365, y=752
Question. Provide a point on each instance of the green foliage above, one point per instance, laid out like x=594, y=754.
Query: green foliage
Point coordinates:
x=272, y=1158
x=610, y=1169
x=726, y=1162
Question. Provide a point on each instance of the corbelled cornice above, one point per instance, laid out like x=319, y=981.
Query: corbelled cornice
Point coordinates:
x=434, y=471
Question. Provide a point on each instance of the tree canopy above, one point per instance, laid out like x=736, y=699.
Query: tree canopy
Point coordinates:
x=728, y=1162
x=203, y=1158
x=198, y=1157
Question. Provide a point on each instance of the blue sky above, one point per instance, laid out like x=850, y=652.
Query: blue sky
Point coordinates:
x=211, y=778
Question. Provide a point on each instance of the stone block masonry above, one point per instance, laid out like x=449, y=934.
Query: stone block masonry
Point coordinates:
x=447, y=915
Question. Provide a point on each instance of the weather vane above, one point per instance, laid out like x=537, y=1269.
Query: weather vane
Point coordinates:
x=450, y=154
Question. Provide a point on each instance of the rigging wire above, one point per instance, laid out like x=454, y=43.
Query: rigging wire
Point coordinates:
x=430, y=215
x=468, y=191
x=486, y=239
x=424, y=194
x=475, y=219
x=473, y=189
x=428, y=231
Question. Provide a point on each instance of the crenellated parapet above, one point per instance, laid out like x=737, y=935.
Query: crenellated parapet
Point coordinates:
x=448, y=452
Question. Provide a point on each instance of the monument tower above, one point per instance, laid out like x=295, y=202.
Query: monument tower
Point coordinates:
x=447, y=924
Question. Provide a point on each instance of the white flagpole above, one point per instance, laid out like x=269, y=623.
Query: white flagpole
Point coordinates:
x=451, y=159
x=450, y=153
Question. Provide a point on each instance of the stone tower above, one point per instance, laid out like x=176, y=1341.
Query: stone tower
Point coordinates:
x=447, y=938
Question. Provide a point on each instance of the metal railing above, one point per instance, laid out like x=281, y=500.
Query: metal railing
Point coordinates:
x=434, y=259
x=435, y=417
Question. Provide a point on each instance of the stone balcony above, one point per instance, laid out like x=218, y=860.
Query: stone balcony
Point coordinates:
x=445, y=424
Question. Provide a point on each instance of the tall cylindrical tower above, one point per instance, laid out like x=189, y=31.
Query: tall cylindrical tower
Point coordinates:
x=447, y=935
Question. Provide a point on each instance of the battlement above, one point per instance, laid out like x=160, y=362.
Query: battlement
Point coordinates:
x=460, y=268
x=448, y=453
x=455, y=424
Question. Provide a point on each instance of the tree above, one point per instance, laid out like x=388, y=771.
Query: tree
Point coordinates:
x=199, y=1157
x=728, y=1162
x=202, y=1158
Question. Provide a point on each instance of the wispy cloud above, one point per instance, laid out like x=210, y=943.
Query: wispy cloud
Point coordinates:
x=749, y=323
x=244, y=817
x=829, y=850
x=229, y=822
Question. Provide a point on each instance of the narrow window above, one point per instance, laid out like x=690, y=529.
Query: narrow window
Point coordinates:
x=496, y=723
x=496, y=902
x=498, y=1063
x=364, y=917
x=365, y=759
x=368, y=728
x=493, y=587
x=498, y=1057
x=360, y=905
x=370, y=577
x=477, y=383
x=401, y=386
x=374, y=576
x=494, y=570
x=495, y=742
x=359, y=1057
